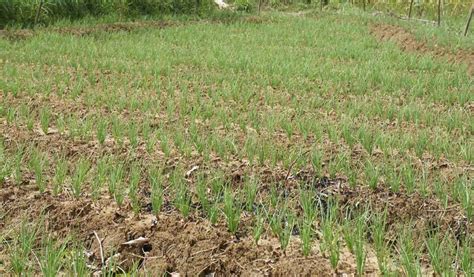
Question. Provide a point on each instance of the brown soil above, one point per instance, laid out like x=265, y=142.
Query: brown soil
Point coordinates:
x=193, y=246
x=189, y=246
x=407, y=42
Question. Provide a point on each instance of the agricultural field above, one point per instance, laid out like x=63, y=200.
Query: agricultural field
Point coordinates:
x=314, y=143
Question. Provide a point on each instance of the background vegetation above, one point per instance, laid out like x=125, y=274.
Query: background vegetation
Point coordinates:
x=25, y=12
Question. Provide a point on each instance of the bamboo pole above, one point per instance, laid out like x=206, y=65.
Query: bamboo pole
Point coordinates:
x=411, y=8
x=40, y=6
x=439, y=13
x=469, y=21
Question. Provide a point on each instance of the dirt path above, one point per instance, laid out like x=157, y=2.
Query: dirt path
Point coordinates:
x=407, y=42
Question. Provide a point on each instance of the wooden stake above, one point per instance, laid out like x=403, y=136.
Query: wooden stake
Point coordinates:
x=40, y=6
x=439, y=13
x=469, y=21
x=411, y=8
x=363, y=1
x=198, y=5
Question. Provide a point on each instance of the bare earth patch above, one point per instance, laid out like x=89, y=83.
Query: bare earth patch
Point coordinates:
x=189, y=246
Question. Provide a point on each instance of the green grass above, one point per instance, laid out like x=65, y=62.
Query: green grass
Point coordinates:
x=287, y=95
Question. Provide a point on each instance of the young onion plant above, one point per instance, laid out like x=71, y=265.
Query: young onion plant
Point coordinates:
x=116, y=176
x=134, y=182
x=79, y=176
x=182, y=199
x=308, y=204
x=409, y=253
x=38, y=163
x=331, y=231
x=259, y=227
x=231, y=211
x=100, y=177
x=45, y=119
x=60, y=175
x=156, y=181
x=378, y=232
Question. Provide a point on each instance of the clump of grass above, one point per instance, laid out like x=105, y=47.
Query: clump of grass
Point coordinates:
x=440, y=249
x=116, y=176
x=17, y=163
x=208, y=204
x=101, y=132
x=133, y=134
x=465, y=254
x=213, y=212
x=463, y=192
x=21, y=249
x=274, y=196
x=202, y=190
x=52, y=257
x=38, y=163
x=156, y=180
x=359, y=245
x=259, y=227
x=11, y=115
x=287, y=230
x=409, y=254
x=79, y=176
x=250, y=193
x=231, y=211
x=282, y=223
x=366, y=138
x=306, y=235
x=100, y=176
x=409, y=180
x=59, y=174
x=45, y=119
x=60, y=124
x=165, y=146
x=182, y=198
x=308, y=204
x=117, y=130
x=378, y=231
x=372, y=174
x=134, y=181
x=330, y=230
x=77, y=262
x=317, y=161
x=4, y=167
x=349, y=234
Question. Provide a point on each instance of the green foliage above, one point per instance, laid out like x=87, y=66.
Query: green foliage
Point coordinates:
x=231, y=211
x=21, y=249
x=79, y=176
x=38, y=163
x=244, y=5
x=52, y=257
x=156, y=178
x=24, y=12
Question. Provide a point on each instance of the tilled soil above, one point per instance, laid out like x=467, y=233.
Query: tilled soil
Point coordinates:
x=193, y=246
